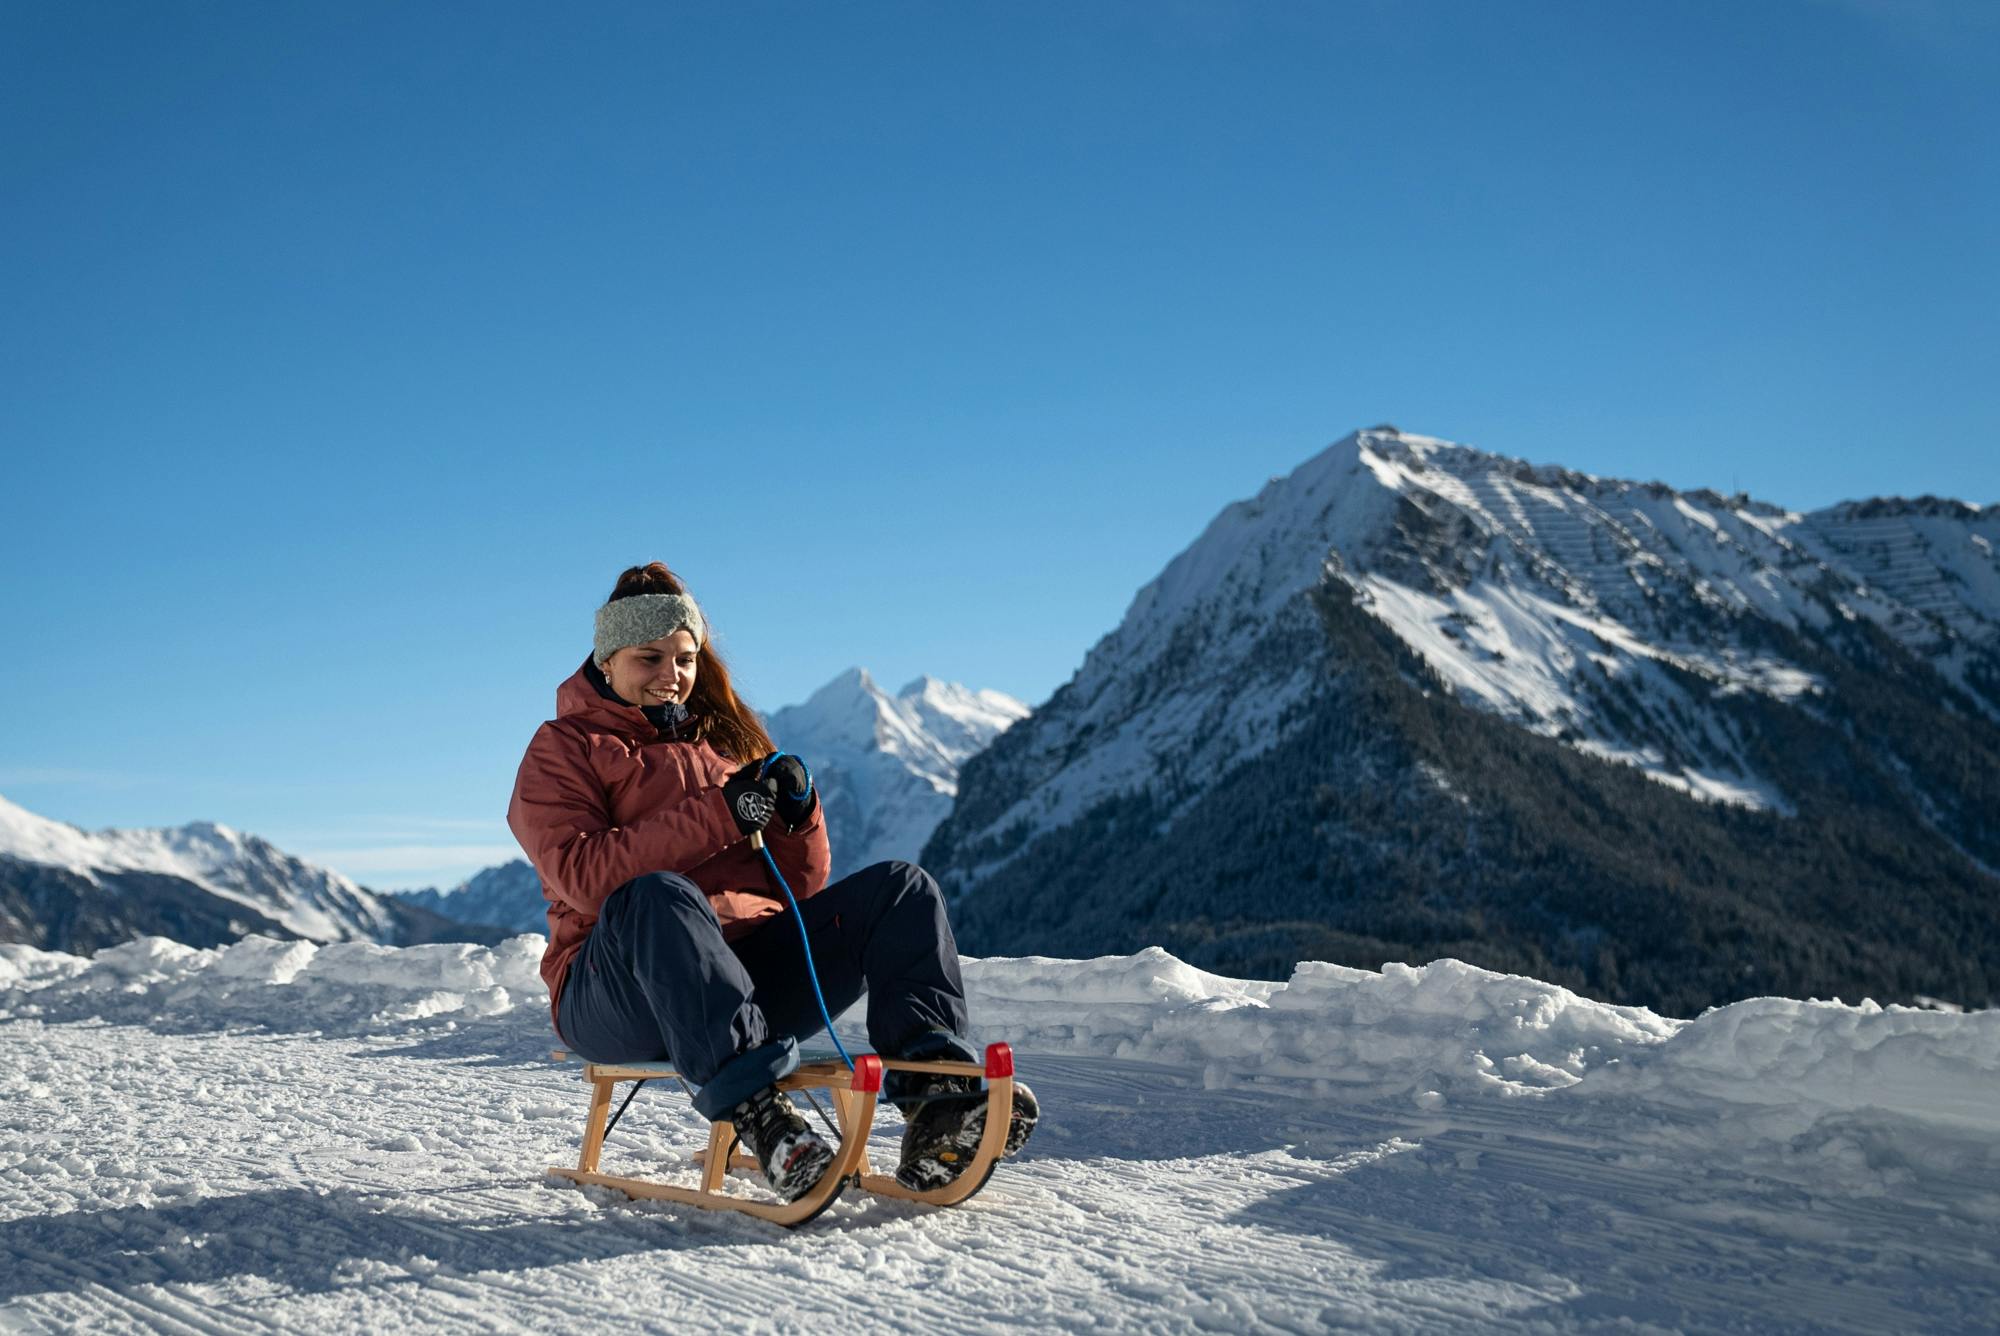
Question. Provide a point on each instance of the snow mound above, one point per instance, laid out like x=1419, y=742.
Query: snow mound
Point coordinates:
x=24, y=966
x=1446, y=1026
x=1449, y=1027
x=280, y=985
x=1863, y=1100
x=1873, y=1092
x=1788, y=1064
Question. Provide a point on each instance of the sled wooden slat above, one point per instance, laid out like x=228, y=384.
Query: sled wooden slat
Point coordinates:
x=593, y=1127
x=935, y=1068
x=854, y=1111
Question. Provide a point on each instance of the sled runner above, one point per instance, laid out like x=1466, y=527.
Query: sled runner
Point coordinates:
x=854, y=1095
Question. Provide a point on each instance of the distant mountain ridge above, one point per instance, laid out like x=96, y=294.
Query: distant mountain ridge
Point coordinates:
x=66, y=889
x=508, y=895
x=886, y=767
x=1305, y=713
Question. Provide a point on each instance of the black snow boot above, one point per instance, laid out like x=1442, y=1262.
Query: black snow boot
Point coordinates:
x=791, y=1154
x=945, y=1119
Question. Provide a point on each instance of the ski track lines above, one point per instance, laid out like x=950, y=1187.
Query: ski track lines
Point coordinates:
x=241, y=1182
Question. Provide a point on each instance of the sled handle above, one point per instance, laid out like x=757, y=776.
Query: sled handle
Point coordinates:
x=999, y=1061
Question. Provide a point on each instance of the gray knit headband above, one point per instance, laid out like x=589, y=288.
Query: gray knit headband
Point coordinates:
x=638, y=619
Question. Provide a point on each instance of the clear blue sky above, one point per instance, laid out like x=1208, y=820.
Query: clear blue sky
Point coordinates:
x=347, y=351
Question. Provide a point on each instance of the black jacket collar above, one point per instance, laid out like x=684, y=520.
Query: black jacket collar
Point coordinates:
x=669, y=718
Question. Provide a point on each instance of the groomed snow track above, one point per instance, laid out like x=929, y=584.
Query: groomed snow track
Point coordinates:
x=1488, y=1154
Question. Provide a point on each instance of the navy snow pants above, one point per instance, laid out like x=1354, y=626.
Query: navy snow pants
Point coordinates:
x=656, y=982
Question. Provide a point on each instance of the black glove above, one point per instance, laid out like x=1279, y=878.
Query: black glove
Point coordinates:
x=796, y=796
x=751, y=800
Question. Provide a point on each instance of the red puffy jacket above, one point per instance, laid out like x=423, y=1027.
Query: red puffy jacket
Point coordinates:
x=602, y=797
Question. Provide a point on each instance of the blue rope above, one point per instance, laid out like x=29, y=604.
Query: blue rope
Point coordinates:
x=811, y=973
x=799, y=918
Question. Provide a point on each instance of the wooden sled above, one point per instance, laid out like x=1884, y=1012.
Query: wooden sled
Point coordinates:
x=854, y=1096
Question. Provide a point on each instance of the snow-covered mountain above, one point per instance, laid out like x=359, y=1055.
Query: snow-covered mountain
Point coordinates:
x=887, y=766
x=1600, y=612
x=1765, y=661
x=201, y=883
x=507, y=896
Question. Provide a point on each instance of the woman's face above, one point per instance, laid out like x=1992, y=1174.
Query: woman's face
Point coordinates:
x=656, y=672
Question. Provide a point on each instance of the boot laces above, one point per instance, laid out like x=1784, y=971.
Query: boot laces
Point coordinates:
x=770, y=1117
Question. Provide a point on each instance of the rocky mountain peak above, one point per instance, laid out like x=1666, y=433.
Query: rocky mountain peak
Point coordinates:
x=887, y=766
x=1690, y=638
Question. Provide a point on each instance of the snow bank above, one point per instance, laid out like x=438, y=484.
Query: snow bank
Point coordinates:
x=24, y=966
x=1902, y=1059
x=1446, y=1026
x=1841, y=1081
x=1865, y=1096
x=1859, y=1100
x=286, y=985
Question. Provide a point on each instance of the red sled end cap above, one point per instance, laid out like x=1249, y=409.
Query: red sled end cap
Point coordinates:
x=867, y=1075
x=999, y=1061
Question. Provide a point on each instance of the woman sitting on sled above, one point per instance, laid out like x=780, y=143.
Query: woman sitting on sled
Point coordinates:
x=667, y=938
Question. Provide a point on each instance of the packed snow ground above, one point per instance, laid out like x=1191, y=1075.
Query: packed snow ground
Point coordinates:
x=352, y=1138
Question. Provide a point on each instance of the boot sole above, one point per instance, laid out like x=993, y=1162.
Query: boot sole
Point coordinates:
x=964, y=1144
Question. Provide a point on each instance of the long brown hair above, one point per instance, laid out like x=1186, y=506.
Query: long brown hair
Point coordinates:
x=719, y=719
